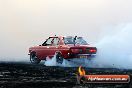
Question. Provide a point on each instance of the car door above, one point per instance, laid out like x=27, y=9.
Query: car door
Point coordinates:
x=46, y=48
x=50, y=47
x=54, y=47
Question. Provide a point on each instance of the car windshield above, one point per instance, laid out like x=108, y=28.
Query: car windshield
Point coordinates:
x=79, y=40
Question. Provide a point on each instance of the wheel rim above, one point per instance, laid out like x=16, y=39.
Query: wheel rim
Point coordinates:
x=33, y=59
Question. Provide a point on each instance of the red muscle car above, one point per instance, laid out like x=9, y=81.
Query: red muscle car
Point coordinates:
x=68, y=47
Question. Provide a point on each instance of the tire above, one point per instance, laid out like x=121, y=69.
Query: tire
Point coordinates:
x=59, y=58
x=34, y=59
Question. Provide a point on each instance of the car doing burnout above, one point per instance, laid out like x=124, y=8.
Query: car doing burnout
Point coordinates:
x=68, y=47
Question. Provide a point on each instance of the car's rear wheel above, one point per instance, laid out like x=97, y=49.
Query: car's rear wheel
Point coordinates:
x=59, y=58
x=34, y=59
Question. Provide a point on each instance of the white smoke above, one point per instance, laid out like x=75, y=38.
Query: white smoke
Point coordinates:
x=52, y=62
x=116, y=50
x=72, y=63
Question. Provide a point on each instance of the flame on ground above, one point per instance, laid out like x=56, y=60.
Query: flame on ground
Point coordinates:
x=81, y=71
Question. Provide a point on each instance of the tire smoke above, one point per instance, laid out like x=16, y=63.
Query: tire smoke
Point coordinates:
x=116, y=50
x=72, y=63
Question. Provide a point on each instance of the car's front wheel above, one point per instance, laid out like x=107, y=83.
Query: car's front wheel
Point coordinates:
x=59, y=58
x=34, y=59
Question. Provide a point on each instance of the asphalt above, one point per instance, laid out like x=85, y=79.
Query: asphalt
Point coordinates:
x=27, y=75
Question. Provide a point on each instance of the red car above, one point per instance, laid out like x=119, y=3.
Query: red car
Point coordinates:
x=64, y=47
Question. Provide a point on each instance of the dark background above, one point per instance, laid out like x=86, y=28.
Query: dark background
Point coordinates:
x=26, y=75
